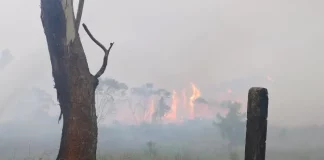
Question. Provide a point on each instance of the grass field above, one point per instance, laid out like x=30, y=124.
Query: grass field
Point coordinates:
x=271, y=155
x=184, y=142
x=166, y=154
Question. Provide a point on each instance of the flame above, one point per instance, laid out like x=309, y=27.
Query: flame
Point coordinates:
x=188, y=110
x=149, y=113
x=194, y=96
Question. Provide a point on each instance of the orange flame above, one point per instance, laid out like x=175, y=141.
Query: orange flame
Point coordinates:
x=194, y=96
x=188, y=110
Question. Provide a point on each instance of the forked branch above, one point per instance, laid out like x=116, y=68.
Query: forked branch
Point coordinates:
x=107, y=51
x=79, y=14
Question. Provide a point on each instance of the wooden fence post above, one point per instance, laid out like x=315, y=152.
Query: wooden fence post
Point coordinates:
x=256, y=125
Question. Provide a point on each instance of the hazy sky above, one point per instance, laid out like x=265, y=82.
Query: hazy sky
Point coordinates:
x=172, y=43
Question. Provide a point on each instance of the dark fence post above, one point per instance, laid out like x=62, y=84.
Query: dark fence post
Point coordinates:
x=256, y=125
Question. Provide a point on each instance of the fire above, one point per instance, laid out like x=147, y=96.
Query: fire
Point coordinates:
x=194, y=96
x=188, y=108
x=148, y=115
x=182, y=107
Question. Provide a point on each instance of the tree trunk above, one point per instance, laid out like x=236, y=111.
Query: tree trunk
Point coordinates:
x=74, y=83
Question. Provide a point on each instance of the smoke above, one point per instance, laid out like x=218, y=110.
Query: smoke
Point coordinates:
x=224, y=46
x=18, y=76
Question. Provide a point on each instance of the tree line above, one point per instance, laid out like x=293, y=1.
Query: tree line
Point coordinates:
x=76, y=87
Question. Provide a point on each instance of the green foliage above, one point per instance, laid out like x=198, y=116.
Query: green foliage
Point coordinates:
x=201, y=100
x=161, y=109
x=148, y=90
x=145, y=92
x=232, y=126
x=163, y=93
x=108, y=92
x=111, y=86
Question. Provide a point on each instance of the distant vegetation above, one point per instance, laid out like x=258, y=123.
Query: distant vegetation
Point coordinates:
x=219, y=138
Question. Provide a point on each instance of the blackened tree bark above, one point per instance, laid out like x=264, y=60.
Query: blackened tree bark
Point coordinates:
x=74, y=83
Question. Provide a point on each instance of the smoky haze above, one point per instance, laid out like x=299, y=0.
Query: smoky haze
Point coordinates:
x=173, y=43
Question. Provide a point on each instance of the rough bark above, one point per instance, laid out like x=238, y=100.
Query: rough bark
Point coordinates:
x=74, y=83
x=256, y=126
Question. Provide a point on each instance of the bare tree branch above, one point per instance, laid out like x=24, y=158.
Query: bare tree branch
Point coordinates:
x=79, y=14
x=107, y=51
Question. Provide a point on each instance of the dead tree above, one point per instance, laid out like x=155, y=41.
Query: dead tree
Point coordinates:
x=74, y=83
x=256, y=126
